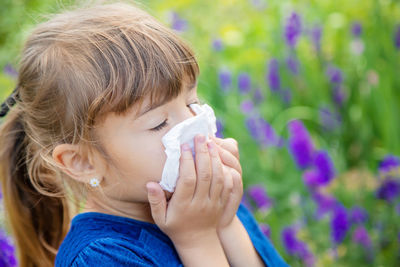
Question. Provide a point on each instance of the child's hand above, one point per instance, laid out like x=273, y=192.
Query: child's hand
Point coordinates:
x=196, y=207
x=229, y=154
x=234, y=238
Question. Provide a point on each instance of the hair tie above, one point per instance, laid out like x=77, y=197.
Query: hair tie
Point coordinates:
x=9, y=102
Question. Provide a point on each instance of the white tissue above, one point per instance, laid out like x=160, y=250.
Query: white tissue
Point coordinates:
x=203, y=123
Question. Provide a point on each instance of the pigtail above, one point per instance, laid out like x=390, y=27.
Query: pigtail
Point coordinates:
x=38, y=222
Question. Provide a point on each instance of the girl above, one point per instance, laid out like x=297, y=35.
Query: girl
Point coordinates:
x=97, y=89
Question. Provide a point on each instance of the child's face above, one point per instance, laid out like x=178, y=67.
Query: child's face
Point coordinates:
x=136, y=148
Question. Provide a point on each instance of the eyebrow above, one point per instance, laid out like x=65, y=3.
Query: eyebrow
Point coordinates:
x=189, y=88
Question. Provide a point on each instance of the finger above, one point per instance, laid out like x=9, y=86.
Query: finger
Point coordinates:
x=236, y=194
x=203, y=168
x=186, y=184
x=229, y=159
x=157, y=202
x=217, y=183
x=229, y=144
x=237, y=190
x=228, y=185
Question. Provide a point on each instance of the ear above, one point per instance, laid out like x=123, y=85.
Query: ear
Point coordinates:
x=72, y=163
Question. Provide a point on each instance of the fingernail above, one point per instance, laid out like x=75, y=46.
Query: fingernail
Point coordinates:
x=185, y=147
x=210, y=145
x=201, y=138
x=150, y=189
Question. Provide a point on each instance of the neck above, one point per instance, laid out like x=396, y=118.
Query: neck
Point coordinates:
x=138, y=211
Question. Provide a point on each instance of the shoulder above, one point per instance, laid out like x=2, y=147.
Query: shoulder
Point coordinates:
x=108, y=240
x=102, y=249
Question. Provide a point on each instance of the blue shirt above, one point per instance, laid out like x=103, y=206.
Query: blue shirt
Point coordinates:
x=99, y=239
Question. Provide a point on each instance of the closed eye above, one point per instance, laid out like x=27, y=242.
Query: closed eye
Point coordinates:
x=159, y=127
x=165, y=123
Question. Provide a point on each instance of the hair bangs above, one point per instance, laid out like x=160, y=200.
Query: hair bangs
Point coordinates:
x=144, y=63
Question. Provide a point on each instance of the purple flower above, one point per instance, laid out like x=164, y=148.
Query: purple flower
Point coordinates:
x=217, y=44
x=328, y=119
x=258, y=96
x=178, y=23
x=334, y=74
x=286, y=95
x=265, y=229
x=259, y=195
x=220, y=128
x=311, y=178
x=296, y=247
x=356, y=29
x=360, y=236
x=10, y=71
x=389, y=190
x=397, y=38
x=252, y=127
x=270, y=136
x=323, y=171
x=262, y=132
x=289, y=240
x=358, y=215
x=293, y=29
x=293, y=65
x=338, y=95
x=389, y=163
x=225, y=80
x=339, y=224
x=300, y=144
x=273, y=77
x=244, y=83
x=246, y=106
x=324, y=165
x=325, y=203
x=316, y=33
x=7, y=251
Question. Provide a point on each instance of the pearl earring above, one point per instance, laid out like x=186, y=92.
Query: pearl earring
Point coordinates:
x=94, y=182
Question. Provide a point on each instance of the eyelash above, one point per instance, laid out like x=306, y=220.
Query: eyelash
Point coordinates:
x=159, y=127
x=165, y=123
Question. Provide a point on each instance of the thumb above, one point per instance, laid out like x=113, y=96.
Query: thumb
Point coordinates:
x=157, y=201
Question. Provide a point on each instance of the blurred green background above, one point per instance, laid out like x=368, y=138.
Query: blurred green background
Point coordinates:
x=334, y=65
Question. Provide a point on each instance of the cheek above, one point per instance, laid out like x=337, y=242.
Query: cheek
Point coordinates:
x=144, y=160
x=141, y=157
x=155, y=158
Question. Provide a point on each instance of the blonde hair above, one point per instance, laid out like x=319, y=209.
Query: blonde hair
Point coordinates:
x=76, y=68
